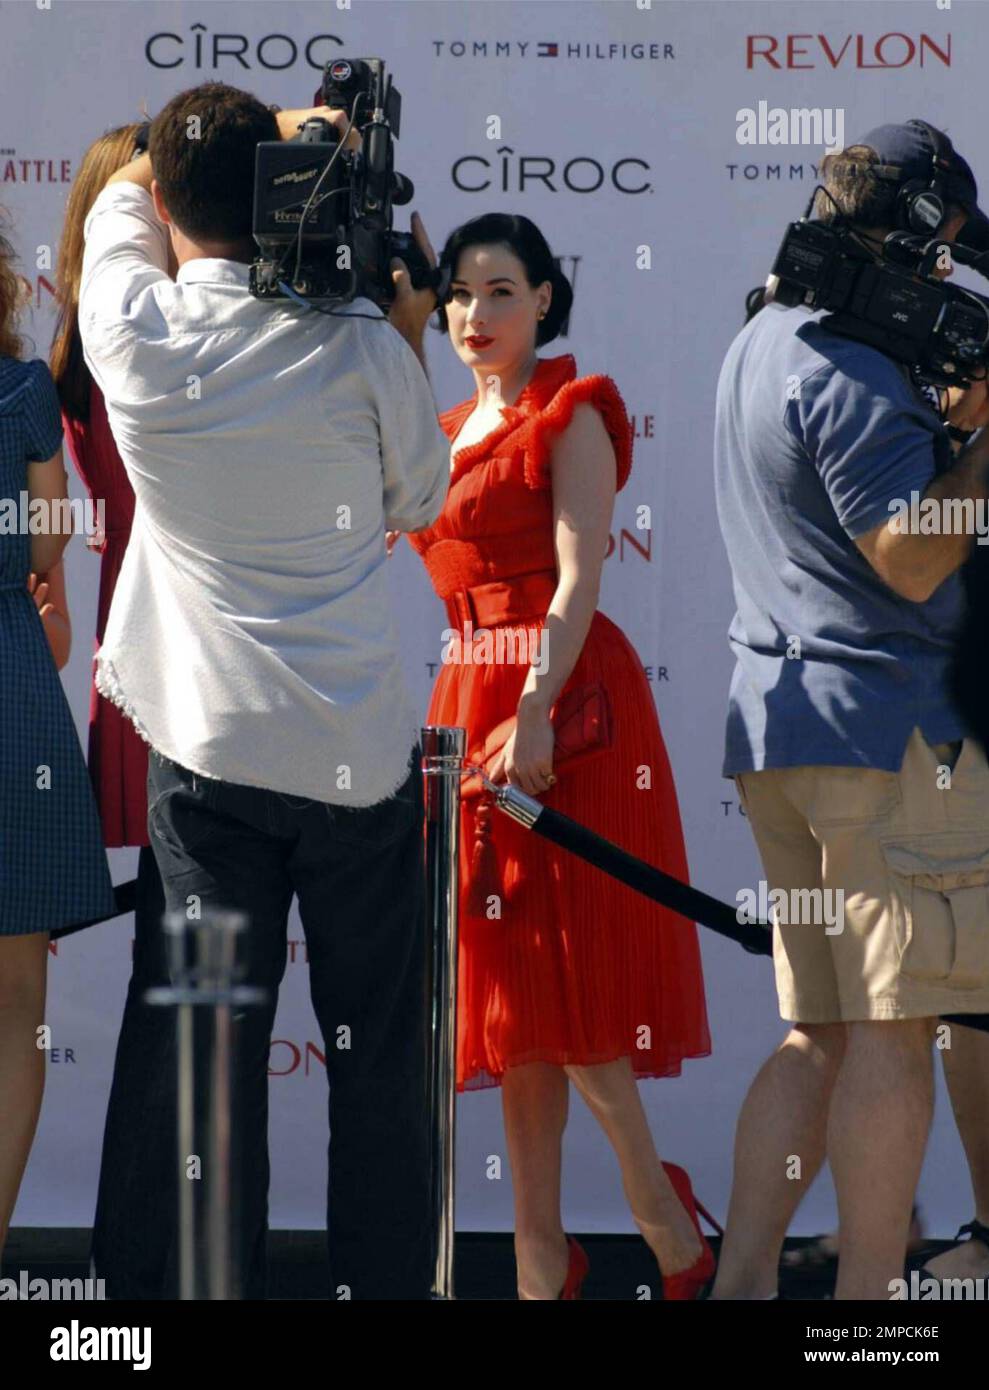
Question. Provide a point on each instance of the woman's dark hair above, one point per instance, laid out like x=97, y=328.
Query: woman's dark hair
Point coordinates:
x=104, y=157
x=524, y=239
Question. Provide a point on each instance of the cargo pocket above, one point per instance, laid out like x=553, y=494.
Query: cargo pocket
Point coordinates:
x=940, y=900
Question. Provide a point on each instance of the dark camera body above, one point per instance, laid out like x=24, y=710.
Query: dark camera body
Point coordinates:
x=322, y=213
x=894, y=304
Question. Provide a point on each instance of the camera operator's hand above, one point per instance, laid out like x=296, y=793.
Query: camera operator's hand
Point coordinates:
x=289, y=122
x=968, y=408
x=411, y=308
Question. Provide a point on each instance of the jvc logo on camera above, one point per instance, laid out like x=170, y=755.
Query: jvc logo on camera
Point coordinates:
x=510, y=172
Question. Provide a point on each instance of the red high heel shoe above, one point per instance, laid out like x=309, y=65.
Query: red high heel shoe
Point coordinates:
x=686, y=1284
x=577, y=1269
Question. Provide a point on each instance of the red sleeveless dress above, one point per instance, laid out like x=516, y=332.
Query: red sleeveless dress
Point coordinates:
x=578, y=969
x=118, y=756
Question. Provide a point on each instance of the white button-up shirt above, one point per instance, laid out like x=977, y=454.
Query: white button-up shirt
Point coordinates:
x=251, y=636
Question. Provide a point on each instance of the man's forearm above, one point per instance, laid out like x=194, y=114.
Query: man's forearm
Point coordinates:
x=412, y=335
x=928, y=560
x=137, y=171
x=417, y=345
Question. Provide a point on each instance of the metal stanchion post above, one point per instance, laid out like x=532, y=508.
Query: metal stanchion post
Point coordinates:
x=443, y=757
x=203, y=964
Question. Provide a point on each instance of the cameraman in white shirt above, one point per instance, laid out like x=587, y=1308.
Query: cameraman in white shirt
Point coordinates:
x=251, y=642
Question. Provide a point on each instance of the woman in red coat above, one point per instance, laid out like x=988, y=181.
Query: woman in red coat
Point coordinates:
x=135, y=1211
x=563, y=973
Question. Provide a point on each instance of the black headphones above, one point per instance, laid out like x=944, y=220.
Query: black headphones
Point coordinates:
x=141, y=136
x=921, y=205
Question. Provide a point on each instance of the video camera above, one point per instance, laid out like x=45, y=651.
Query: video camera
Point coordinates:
x=323, y=213
x=890, y=300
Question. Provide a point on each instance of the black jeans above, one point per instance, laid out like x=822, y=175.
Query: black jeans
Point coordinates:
x=136, y=1212
x=358, y=873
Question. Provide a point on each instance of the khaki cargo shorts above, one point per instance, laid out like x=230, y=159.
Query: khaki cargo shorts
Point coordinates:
x=900, y=926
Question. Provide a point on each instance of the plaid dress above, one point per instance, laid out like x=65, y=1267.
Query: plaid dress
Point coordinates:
x=53, y=868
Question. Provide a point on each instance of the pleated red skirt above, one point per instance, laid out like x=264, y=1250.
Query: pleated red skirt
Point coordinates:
x=577, y=969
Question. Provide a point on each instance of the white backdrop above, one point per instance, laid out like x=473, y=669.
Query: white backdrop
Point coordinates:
x=630, y=113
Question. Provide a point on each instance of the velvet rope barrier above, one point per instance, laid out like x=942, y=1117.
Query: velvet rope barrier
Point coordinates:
x=754, y=937
x=720, y=917
x=125, y=895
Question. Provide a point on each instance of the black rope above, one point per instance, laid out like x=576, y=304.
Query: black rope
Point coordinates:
x=720, y=917
x=755, y=937
x=689, y=902
x=125, y=895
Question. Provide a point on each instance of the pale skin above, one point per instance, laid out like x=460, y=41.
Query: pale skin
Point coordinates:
x=966, y=1070
x=48, y=592
x=23, y=959
x=861, y=1094
x=491, y=297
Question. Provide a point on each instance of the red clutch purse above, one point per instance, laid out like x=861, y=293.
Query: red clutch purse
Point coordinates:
x=582, y=726
x=582, y=723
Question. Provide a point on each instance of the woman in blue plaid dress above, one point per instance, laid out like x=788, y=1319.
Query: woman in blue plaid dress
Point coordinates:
x=53, y=868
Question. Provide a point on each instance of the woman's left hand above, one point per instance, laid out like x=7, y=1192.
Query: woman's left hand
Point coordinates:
x=48, y=592
x=39, y=592
x=526, y=760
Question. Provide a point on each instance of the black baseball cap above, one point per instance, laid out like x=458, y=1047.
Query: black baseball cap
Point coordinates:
x=906, y=152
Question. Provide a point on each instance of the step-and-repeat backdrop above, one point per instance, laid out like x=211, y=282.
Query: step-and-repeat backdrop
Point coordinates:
x=618, y=136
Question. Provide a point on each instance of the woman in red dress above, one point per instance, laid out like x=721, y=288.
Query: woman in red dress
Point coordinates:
x=563, y=972
x=132, y=1229
x=118, y=757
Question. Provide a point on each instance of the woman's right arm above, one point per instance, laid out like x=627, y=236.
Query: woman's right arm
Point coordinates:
x=48, y=481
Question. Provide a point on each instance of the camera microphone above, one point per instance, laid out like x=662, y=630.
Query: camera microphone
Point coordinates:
x=323, y=210
x=403, y=190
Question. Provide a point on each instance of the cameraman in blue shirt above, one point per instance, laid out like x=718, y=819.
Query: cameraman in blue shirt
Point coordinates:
x=867, y=797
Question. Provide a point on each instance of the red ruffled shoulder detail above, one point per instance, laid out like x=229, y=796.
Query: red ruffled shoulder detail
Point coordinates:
x=598, y=391
x=451, y=420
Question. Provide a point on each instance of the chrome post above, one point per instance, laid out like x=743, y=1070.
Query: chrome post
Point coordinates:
x=443, y=757
x=203, y=965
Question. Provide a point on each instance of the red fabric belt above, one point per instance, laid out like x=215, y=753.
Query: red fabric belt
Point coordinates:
x=525, y=598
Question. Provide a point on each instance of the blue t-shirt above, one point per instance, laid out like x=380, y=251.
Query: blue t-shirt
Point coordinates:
x=815, y=435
